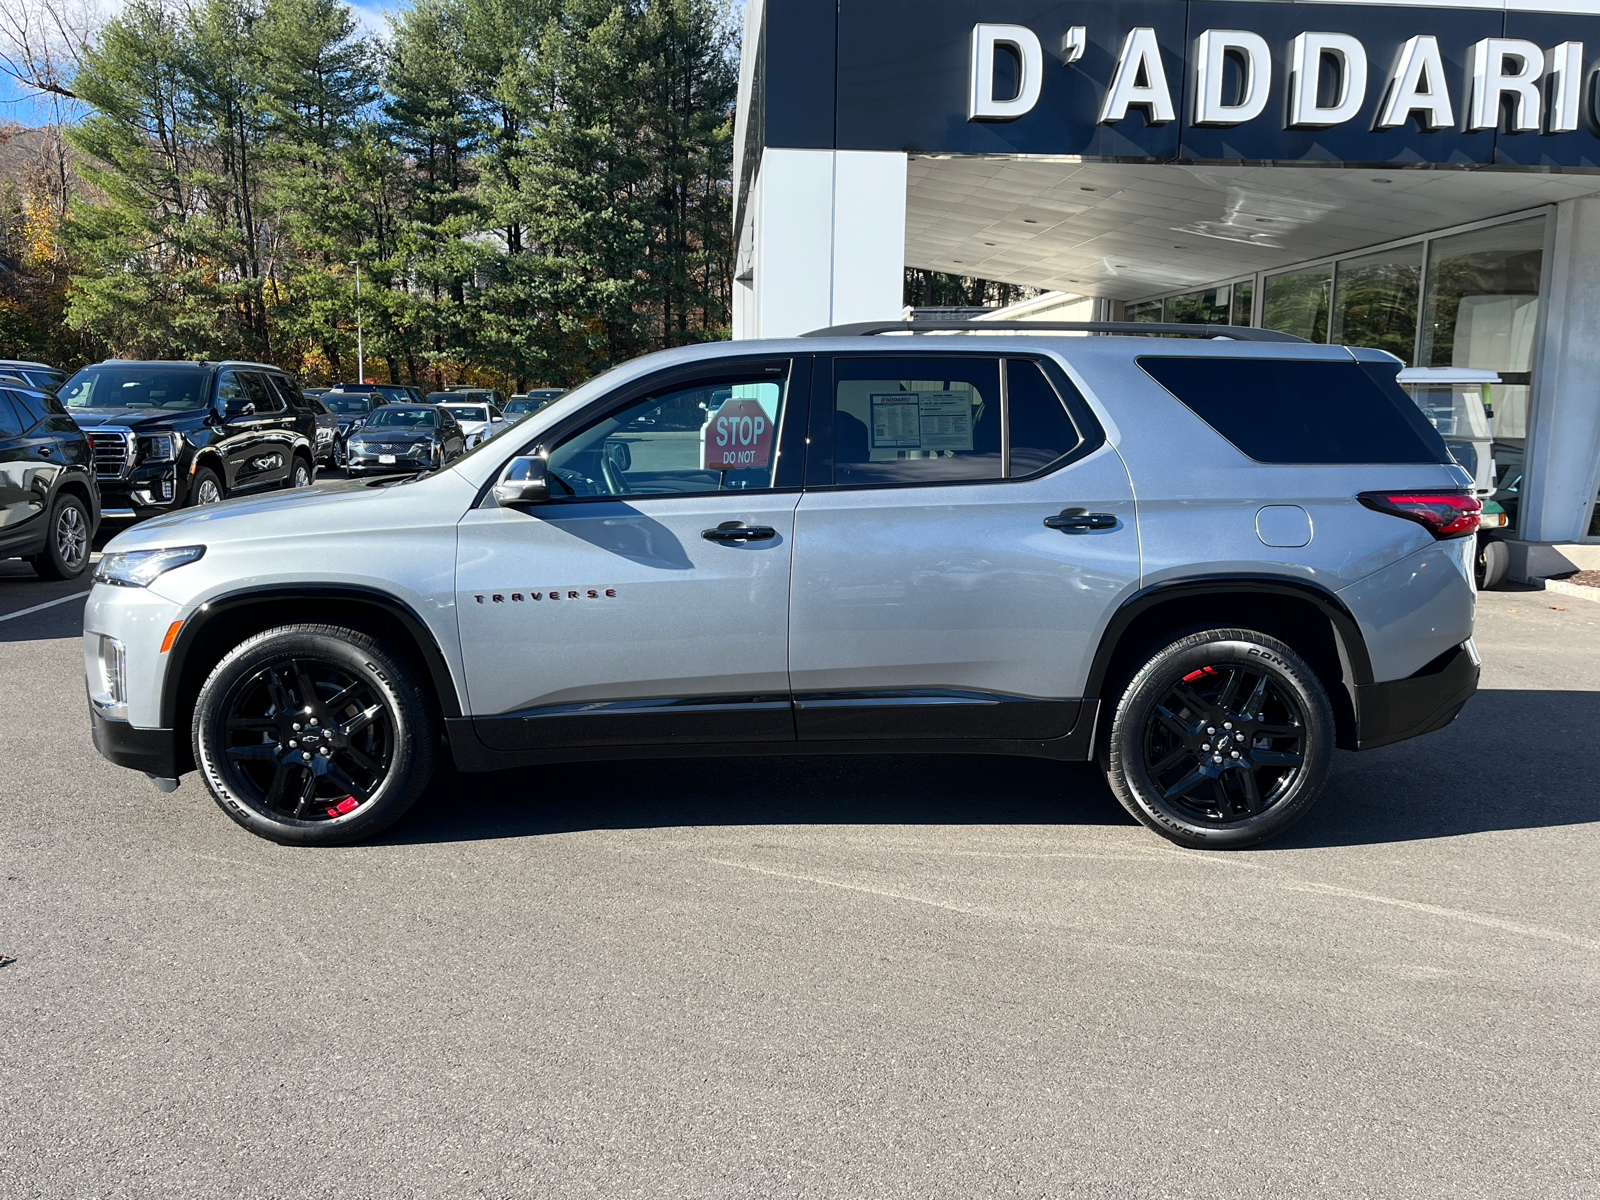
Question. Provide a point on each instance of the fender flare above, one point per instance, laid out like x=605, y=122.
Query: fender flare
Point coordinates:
x=1347, y=633
x=444, y=685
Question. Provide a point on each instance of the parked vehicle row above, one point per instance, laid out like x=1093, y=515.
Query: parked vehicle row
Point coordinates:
x=1203, y=564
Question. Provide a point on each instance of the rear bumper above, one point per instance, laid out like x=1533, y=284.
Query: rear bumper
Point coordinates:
x=1420, y=703
x=153, y=751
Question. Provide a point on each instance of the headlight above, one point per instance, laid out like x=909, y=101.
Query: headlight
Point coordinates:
x=141, y=568
x=159, y=447
x=418, y=449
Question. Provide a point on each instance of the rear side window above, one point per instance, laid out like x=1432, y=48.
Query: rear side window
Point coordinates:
x=916, y=420
x=1294, y=411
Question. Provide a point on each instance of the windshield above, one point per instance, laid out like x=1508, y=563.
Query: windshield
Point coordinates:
x=136, y=387
x=522, y=406
x=393, y=415
x=346, y=404
x=465, y=412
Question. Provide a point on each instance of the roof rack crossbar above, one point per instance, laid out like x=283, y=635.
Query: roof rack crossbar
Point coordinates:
x=1237, y=333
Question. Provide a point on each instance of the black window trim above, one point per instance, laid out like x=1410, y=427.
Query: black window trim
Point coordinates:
x=791, y=441
x=819, y=456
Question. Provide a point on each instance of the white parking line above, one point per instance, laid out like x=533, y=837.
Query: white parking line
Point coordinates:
x=47, y=604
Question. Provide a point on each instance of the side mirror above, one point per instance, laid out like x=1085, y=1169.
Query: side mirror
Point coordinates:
x=526, y=481
x=240, y=407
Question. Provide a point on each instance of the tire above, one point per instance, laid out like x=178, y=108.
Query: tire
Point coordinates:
x=371, y=748
x=206, y=488
x=1166, y=758
x=301, y=473
x=66, y=546
x=1491, y=564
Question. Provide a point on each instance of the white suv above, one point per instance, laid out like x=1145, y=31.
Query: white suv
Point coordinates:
x=1204, y=562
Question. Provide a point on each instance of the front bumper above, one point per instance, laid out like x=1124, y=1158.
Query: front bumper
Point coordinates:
x=1420, y=703
x=153, y=751
x=153, y=489
x=361, y=462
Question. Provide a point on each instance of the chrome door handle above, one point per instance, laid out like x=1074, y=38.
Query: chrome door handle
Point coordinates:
x=738, y=531
x=1076, y=519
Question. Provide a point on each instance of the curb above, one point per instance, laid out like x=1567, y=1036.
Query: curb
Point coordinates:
x=1581, y=591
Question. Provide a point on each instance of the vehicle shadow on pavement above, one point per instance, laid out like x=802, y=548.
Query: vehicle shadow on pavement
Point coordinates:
x=1515, y=759
x=807, y=790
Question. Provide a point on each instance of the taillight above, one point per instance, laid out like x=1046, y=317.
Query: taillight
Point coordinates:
x=1446, y=514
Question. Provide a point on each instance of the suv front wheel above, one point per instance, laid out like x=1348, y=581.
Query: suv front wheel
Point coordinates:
x=1221, y=740
x=314, y=735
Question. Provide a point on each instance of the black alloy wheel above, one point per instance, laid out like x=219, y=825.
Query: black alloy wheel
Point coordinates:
x=1225, y=743
x=314, y=735
x=66, y=552
x=1223, y=739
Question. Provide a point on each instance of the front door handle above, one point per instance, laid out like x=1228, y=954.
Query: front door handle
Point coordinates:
x=738, y=531
x=46, y=450
x=1075, y=520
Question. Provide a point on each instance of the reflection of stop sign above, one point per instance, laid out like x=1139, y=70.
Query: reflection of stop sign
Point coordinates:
x=736, y=437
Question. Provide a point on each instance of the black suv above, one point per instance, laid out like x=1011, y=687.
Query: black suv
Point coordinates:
x=49, y=504
x=175, y=434
x=36, y=376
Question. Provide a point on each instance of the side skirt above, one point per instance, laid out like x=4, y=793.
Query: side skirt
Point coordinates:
x=471, y=753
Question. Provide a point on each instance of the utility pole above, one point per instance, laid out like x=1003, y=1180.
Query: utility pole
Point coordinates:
x=361, y=362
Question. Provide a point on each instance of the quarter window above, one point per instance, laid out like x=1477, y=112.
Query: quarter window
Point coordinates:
x=1041, y=431
x=711, y=435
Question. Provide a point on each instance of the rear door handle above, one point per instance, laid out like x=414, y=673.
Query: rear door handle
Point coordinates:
x=738, y=531
x=1073, y=520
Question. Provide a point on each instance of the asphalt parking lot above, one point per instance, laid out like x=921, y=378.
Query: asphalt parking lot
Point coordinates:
x=816, y=977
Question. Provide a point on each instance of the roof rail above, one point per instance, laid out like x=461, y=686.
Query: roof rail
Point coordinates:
x=1237, y=333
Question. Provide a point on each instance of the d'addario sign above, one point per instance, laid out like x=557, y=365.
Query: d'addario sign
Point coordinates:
x=1540, y=89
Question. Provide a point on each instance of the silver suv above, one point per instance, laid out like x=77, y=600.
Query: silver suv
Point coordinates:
x=1205, y=562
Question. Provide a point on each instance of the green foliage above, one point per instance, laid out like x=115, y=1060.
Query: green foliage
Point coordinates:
x=533, y=189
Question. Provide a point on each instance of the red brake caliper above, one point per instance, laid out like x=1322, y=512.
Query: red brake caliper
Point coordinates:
x=348, y=804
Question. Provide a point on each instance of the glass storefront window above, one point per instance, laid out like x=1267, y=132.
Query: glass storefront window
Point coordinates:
x=1375, y=301
x=1297, y=302
x=1142, y=310
x=1209, y=306
x=1243, y=293
x=1481, y=310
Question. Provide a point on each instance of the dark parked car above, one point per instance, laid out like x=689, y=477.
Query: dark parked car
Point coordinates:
x=394, y=393
x=327, y=426
x=405, y=438
x=170, y=435
x=473, y=395
x=350, y=411
x=49, y=504
x=36, y=375
x=523, y=403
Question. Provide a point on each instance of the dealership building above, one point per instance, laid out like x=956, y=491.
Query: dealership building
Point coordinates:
x=1421, y=179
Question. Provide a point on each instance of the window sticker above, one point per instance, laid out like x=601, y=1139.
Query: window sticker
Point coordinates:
x=922, y=421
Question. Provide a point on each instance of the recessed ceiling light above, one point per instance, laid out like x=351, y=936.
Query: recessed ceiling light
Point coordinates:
x=988, y=243
x=1177, y=247
x=1262, y=220
x=1381, y=179
x=1029, y=221
x=1086, y=189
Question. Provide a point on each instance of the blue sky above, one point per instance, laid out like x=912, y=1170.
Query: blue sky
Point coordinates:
x=17, y=105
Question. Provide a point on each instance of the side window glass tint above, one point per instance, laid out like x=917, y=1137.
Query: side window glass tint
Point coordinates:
x=916, y=420
x=708, y=436
x=230, y=388
x=1302, y=410
x=1041, y=430
x=265, y=399
x=10, y=425
x=287, y=392
x=31, y=409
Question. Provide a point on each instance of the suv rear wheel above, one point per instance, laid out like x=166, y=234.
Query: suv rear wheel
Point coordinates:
x=314, y=735
x=1221, y=740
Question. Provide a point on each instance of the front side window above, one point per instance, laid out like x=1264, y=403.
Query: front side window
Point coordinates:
x=711, y=435
x=264, y=398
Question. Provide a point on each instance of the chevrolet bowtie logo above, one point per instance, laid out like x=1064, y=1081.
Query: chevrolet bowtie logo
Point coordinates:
x=553, y=594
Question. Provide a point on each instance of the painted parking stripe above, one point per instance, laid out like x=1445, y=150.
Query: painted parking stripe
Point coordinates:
x=47, y=604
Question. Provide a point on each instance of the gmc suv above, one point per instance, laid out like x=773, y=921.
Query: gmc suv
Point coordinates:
x=1204, y=563
x=170, y=435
